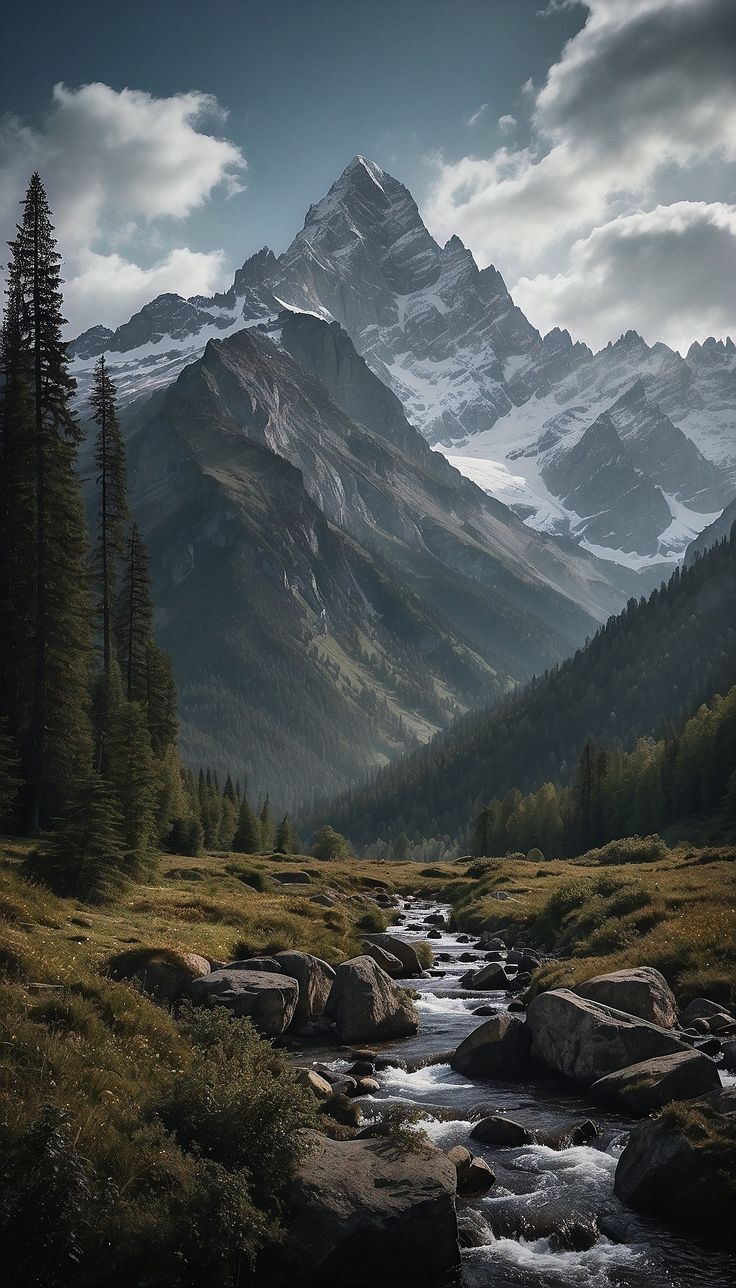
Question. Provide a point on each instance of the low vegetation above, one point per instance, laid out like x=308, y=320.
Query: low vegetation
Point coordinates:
x=630, y=903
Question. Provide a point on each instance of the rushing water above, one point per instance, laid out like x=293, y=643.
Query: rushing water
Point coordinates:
x=532, y=1180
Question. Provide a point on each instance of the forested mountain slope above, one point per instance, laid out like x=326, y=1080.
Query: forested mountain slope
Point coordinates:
x=648, y=668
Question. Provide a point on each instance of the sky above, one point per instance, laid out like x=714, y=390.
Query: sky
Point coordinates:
x=587, y=148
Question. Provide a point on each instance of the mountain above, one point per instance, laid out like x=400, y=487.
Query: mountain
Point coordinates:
x=648, y=669
x=720, y=530
x=506, y=404
x=329, y=587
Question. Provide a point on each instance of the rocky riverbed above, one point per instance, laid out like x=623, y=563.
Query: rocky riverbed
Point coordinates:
x=551, y=1216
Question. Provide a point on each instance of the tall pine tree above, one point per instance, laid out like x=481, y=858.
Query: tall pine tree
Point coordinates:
x=47, y=636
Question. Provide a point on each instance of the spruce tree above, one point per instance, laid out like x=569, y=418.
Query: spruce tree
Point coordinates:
x=112, y=510
x=132, y=781
x=136, y=620
x=266, y=825
x=85, y=855
x=247, y=838
x=49, y=656
x=286, y=841
x=9, y=779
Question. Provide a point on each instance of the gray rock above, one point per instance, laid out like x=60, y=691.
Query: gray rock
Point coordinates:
x=268, y=999
x=364, y=1213
x=267, y=964
x=501, y=1133
x=497, y=1049
x=644, y=1087
x=366, y=1005
x=699, y=1009
x=293, y=878
x=729, y=1056
x=411, y=965
x=640, y=991
x=675, y=1165
x=314, y=1082
x=162, y=972
x=491, y=977
x=314, y=978
x=567, y=1135
x=584, y=1040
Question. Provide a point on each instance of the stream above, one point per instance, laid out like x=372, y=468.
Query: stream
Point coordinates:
x=640, y=1253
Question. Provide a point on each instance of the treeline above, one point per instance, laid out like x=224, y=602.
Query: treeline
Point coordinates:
x=88, y=723
x=648, y=669
x=618, y=794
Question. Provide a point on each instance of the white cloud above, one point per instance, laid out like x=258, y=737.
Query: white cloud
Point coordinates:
x=506, y=124
x=475, y=116
x=668, y=273
x=640, y=108
x=121, y=168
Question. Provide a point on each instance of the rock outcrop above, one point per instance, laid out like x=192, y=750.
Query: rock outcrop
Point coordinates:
x=680, y=1165
x=585, y=1040
x=641, y=991
x=406, y=953
x=367, y=1006
x=268, y=999
x=363, y=1213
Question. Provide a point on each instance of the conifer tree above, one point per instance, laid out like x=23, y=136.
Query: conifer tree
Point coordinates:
x=266, y=825
x=9, y=779
x=136, y=619
x=132, y=781
x=112, y=510
x=247, y=838
x=85, y=855
x=49, y=605
x=286, y=841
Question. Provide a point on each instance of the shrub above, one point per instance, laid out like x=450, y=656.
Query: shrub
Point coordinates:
x=329, y=844
x=630, y=849
x=482, y=868
x=424, y=953
x=373, y=920
x=535, y=855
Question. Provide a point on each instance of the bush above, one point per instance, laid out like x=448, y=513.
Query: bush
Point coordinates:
x=372, y=920
x=630, y=849
x=535, y=855
x=424, y=953
x=329, y=844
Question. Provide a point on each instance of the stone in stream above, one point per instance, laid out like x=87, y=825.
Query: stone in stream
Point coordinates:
x=268, y=999
x=497, y=1049
x=523, y=959
x=362, y=1069
x=435, y=919
x=367, y=1006
x=363, y=1213
x=729, y=1056
x=486, y=1010
x=488, y=940
x=701, y=1008
x=492, y=977
x=314, y=1082
x=406, y=953
x=314, y=978
x=644, y=1087
x=567, y=1136
x=584, y=1040
x=679, y=1166
x=366, y=1087
x=501, y=1133
x=434, y=934
x=640, y=991
x=474, y=1176
x=387, y=961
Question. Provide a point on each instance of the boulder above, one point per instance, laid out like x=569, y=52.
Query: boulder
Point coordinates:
x=269, y=999
x=387, y=961
x=293, y=878
x=729, y=1056
x=501, y=1133
x=523, y=959
x=366, y=1087
x=474, y=1176
x=497, y=1049
x=585, y=1040
x=411, y=965
x=314, y=978
x=649, y=1085
x=679, y=1166
x=490, y=977
x=435, y=919
x=567, y=1135
x=268, y=964
x=699, y=1009
x=323, y=900
x=489, y=940
x=367, y=1006
x=641, y=991
x=162, y=972
x=365, y=1213
x=314, y=1082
